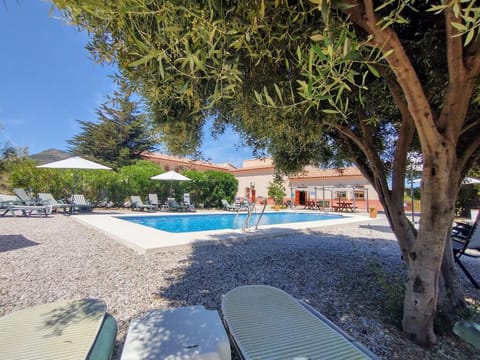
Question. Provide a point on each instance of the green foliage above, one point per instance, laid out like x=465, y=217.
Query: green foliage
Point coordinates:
x=292, y=78
x=96, y=185
x=121, y=133
x=210, y=187
x=276, y=190
x=135, y=180
x=207, y=187
x=9, y=157
x=308, y=81
x=468, y=197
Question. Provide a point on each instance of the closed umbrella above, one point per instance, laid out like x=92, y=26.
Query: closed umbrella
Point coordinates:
x=170, y=176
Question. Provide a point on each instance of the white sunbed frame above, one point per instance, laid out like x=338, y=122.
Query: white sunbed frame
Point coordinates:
x=27, y=210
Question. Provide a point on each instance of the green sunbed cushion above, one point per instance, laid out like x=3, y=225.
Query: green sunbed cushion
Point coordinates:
x=60, y=330
x=103, y=347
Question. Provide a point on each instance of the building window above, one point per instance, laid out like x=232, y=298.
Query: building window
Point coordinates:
x=341, y=194
x=359, y=194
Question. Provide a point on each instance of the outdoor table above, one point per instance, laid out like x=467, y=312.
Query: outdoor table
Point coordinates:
x=344, y=206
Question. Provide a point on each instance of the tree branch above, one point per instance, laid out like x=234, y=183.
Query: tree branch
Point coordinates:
x=386, y=40
x=454, y=45
x=451, y=120
x=404, y=139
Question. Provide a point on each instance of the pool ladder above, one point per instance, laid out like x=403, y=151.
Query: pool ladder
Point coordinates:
x=251, y=210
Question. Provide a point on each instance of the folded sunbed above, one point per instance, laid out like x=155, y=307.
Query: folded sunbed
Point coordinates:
x=66, y=330
x=267, y=323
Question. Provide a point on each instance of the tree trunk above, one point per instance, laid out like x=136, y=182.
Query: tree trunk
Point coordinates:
x=421, y=291
x=425, y=258
x=451, y=298
x=432, y=280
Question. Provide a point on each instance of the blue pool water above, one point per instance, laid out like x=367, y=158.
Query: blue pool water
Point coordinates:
x=203, y=222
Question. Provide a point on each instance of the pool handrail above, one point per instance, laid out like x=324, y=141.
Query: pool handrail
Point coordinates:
x=250, y=208
x=261, y=214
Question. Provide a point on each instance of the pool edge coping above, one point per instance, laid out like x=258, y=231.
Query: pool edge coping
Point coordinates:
x=145, y=240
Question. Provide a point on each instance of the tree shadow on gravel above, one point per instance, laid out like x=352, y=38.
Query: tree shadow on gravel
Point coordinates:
x=308, y=266
x=15, y=242
x=351, y=280
x=379, y=228
x=336, y=274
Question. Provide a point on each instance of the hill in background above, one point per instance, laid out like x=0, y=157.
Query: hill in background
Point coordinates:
x=50, y=155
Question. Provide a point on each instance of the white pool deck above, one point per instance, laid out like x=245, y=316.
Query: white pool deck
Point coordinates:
x=144, y=239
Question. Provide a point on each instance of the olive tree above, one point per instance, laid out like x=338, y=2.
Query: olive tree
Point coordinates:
x=311, y=81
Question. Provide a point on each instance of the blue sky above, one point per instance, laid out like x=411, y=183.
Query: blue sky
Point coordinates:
x=48, y=81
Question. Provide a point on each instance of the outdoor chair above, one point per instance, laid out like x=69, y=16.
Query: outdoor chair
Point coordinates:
x=174, y=206
x=229, y=207
x=79, y=202
x=466, y=240
x=48, y=199
x=137, y=204
x=64, y=329
x=153, y=200
x=245, y=205
x=267, y=323
x=26, y=198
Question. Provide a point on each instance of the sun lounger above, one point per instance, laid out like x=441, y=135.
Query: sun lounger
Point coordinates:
x=72, y=329
x=466, y=237
x=174, y=206
x=48, y=199
x=137, y=204
x=267, y=323
x=227, y=206
x=25, y=197
x=190, y=332
x=26, y=210
x=153, y=200
x=79, y=203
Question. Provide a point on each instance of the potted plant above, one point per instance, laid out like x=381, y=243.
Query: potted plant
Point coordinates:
x=277, y=192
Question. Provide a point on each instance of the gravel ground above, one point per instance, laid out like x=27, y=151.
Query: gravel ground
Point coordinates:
x=348, y=273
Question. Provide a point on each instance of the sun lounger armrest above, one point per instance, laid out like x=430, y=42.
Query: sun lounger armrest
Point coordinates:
x=337, y=329
x=105, y=341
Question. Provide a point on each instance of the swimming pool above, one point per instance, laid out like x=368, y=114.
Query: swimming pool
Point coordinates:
x=203, y=222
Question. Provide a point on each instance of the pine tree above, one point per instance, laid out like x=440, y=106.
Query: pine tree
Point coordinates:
x=121, y=133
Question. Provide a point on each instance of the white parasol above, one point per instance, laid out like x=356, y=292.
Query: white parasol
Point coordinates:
x=470, y=180
x=75, y=162
x=170, y=176
x=465, y=181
